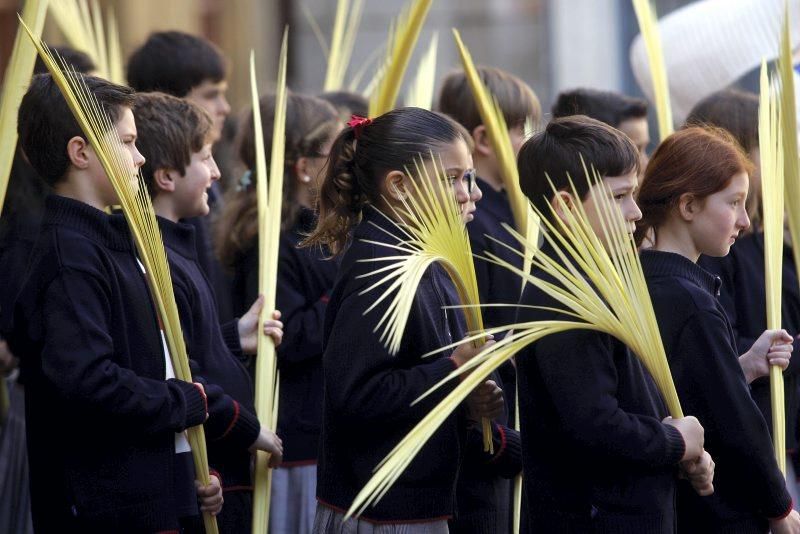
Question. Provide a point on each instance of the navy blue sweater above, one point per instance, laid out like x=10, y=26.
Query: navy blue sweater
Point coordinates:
x=101, y=419
x=596, y=456
x=701, y=348
x=743, y=295
x=233, y=427
x=368, y=392
x=305, y=281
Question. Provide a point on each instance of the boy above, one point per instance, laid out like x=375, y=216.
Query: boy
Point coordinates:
x=175, y=137
x=192, y=68
x=625, y=113
x=484, y=493
x=597, y=456
x=101, y=418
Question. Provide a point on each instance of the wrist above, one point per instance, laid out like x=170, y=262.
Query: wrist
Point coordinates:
x=747, y=368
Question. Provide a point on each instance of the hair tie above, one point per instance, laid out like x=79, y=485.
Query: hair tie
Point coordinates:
x=244, y=181
x=358, y=123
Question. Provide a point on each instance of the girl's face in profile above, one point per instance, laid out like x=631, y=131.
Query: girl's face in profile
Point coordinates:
x=456, y=161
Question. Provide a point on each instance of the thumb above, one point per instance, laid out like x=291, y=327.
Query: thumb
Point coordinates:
x=255, y=309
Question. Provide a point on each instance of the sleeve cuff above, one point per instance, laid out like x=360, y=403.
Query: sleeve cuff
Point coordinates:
x=786, y=513
x=507, y=461
x=230, y=334
x=195, y=403
x=675, y=446
x=243, y=428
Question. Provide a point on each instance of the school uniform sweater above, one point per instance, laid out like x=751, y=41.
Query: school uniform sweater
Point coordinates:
x=234, y=426
x=101, y=419
x=305, y=281
x=368, y=392
x=596, y=456
x=703, y=357
x=743, y=295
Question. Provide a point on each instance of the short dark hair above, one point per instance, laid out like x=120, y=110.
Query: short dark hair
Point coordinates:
x=732, y=110
x=76, y=59
x=347, y=103
x=516, y=99
x=605, y=106
x=559, y=151
x=170, y=130
x=174, y=63
x=45, y=123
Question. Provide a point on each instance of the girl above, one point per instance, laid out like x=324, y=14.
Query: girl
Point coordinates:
x=368, y=392
x=693, y=201
x=304, y=284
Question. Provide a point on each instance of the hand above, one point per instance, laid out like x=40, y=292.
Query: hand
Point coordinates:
x=248, y=327
x=773, y=347
x=210, y=496
x=7, y=360
x=788, y=525
x=700, y=473
x=486, y=401
x=693, y=436
x=268, y=441
x=466, y=351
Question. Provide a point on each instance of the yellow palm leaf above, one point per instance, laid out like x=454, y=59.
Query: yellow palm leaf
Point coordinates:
x=400, y=45
x=648, y=25
x=138, y=211
x=345, y=28
x=269, y=191
x=601, y=286
x=420, y=92
x=82, y=26
x=772, y=191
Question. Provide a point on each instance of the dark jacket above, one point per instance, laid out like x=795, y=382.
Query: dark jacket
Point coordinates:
x=701, y=348
x=743, y=295
x=234, y=427
x=368, y=392
x=101, y=419
x=596, y=456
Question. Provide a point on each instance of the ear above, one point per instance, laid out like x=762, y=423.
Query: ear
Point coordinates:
x=165, y=180
x=562, y=200
x=300, y=169
x=78, y=152
x=395, y=186
x=688, y=206
x=481, y=140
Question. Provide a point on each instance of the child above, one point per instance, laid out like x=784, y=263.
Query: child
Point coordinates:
x=192, y=68
x=693, y=198
x=305, y=280
x=484, y=491
x=368, y=392
x=346, y=103
x=101, y=418
x=174, y=136
x=625, y=113
x=598, y=454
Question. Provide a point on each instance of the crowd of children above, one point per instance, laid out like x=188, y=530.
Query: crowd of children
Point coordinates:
x=104, y=417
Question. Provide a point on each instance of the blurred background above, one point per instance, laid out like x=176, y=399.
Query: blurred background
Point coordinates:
x=551, y=44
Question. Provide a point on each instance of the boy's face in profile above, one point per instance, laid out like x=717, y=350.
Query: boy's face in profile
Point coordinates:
x=191, y=189
x=621, y=190
x=210, y=96
x=125, y=129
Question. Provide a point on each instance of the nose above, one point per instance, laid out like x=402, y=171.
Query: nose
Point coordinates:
x=476, y=194
x=138, y=158
x=633, y=213
x=223, y=107
x=743, y=221
x=214, y=168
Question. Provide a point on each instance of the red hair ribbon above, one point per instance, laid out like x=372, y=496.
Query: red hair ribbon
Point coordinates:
x=358, y=123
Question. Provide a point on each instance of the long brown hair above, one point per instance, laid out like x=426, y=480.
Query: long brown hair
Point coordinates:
x=696, y=160
x=310, y=123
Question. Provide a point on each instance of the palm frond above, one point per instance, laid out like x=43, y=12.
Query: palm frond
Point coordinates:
x=269, y=191
x=402, y=39
x=772, y=192
x=420, y=91
x=601, y=284
x=648, y=25
x=345, y=29
x=82, y=26
x=138, y=211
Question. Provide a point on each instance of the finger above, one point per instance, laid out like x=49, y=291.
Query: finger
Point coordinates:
x=781, y=347
x=276, y=314
x=783, y=363
x=257, y=305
